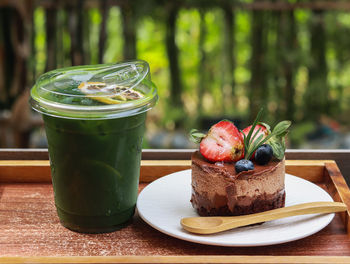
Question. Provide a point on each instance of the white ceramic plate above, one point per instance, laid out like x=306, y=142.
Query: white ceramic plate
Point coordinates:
x=165, y=201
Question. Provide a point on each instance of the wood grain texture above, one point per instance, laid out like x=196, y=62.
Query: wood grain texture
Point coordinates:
x=25, y=171
x=39, y=170
x=311, y=170
x=30, y=227
x=340, y=156
x=154, y=169
x=339, y=190
x=181, y=259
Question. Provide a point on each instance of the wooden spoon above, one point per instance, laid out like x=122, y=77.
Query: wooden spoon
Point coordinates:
x=210, y=225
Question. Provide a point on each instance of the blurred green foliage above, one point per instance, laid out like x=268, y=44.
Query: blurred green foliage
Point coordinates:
x=40, y=40
x=151, y=32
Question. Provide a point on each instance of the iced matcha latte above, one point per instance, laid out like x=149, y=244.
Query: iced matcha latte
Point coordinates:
x=94, y=118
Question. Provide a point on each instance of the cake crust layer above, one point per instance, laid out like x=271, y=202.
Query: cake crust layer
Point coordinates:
x=259, y=204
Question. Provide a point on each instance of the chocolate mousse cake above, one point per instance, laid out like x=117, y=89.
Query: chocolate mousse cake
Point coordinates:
x=239, y=172
x=217, y=189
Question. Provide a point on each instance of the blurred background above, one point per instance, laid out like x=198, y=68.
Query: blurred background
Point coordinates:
x=210, y=59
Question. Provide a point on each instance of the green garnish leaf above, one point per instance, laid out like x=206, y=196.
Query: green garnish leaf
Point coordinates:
x=281, y=127
x=256, y=133
x=275, y=138
x=254, y=146
x=278, y=146
x=244, y=136
x=196, y=136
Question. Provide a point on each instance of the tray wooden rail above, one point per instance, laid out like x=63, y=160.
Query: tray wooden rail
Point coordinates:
x=39, y=170
x=31, y=232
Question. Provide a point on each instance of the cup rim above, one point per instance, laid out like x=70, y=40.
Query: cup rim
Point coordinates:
x=58, y=109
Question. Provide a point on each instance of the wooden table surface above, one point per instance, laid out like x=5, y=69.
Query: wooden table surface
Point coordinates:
x=27, y=212
x=34, y=213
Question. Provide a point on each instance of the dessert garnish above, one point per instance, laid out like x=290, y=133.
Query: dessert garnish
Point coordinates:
x=263, y=154
x=108, y=93
x=224, y=142
x=275, y=139
x=261, y=129
x=244, y=165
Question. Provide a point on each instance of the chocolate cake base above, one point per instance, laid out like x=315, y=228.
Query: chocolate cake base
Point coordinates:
x=260, y=204
x=217, y=189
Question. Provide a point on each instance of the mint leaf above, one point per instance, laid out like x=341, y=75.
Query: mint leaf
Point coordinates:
x=281, y=127
x=196, y=136
x=278, y=147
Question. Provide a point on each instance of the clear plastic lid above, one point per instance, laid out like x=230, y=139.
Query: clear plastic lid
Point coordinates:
x=95, y=91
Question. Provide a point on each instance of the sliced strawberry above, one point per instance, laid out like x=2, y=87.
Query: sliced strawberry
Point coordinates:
x=264, y=131
x=223, y=142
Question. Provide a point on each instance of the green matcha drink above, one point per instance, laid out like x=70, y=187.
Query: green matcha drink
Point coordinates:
x=94, y=118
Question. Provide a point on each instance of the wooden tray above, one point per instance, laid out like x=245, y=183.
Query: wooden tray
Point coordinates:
x=30, y=230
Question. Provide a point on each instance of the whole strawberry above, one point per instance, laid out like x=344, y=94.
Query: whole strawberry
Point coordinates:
x=264, y=131
x=223, y=142
x=258, y=134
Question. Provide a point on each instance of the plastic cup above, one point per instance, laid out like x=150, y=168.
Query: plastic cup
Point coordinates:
x=94, y=118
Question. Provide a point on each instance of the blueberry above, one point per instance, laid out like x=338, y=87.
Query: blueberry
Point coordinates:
x=244, y=165
x=263, y=154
